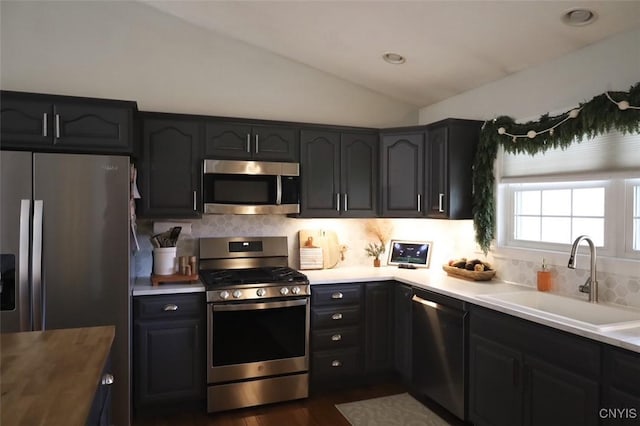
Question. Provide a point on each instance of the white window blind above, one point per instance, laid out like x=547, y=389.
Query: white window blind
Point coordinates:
x=613, y=152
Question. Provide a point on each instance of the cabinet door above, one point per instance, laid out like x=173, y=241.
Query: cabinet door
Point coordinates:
x=555, y=396
x=25, y=123
x=275, y=143
x=358, y=177
x=621, y=387
x=378, y=327
x=168, y=362
x=495, y=394
x=402, y=334
x=99, y=128
x=402, y=165
x=320, y=173
x=437, y=181
x=171, y=168
x=227, y=141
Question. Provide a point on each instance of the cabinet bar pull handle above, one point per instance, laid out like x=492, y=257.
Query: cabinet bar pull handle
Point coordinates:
x=107, y=379
x=336, y=317
x=44, y=124
x=345, y=202
x=57, y=126
x=195, y=201
x=336, y=363
x=248, y=142
x=336, y=337
x=170, y=307
x=419, y=199
x=440, y=202
x=257, y=141
x=338, y=202
x=337, y=295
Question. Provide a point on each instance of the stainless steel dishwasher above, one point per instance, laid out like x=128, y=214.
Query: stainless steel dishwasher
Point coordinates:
x=439, y=341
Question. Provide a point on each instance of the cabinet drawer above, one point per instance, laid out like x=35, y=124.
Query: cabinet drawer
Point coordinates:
x=336, y=295
x=331, y=364
x=168, y=306
x=333, y=317
x=337, y=338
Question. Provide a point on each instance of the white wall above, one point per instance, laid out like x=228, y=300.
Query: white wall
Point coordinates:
x=128, y=50
x=556, y=86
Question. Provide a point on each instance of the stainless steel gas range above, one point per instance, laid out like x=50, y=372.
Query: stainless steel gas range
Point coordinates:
x=257, y=323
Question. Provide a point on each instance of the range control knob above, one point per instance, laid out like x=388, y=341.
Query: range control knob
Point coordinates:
x=295, y=290
x=284, y=291
x=237, y=294
x=261, y=292
x=224, y=295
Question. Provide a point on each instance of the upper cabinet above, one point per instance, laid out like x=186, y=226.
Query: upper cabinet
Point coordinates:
x=338, y=173
x=60, y=123
x=451, y=150
x=249, y=141
x=402, y=165
x=170, y=167
x=427, y=171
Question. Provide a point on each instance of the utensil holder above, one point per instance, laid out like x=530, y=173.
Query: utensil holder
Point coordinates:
x=164, y=260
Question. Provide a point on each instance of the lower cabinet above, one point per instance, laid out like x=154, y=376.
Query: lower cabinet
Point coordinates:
x=378, y=309
x=402, y=332
x=621, y=387
x=522, y=373
x=168, y=349
x=100, y=414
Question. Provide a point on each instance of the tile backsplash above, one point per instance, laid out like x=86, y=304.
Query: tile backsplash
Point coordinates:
x=451, y=239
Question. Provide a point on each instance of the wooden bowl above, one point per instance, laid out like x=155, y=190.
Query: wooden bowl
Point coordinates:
x=469, y=275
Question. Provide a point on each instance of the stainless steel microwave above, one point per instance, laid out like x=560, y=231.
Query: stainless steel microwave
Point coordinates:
x=250, y=187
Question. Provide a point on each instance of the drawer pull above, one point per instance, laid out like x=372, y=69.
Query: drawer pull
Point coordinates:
x=336, y=363
x=107, y=379
x=337, y=316
x=336, y=337
x=337, y=295
x=170, y=307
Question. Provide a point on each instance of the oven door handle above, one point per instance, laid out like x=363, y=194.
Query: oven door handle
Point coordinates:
x=259, y=305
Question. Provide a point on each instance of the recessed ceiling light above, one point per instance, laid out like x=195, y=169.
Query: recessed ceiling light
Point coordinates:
x=578, y=17
x=394, y=58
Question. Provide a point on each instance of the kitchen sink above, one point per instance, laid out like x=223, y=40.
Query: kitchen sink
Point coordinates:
x=598, y=317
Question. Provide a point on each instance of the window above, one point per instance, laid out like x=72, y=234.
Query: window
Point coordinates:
x=559, y=215
x=546, y=201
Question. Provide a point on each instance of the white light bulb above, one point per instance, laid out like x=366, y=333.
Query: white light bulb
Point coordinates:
x=531, y=134
x=502, y=131
x=574, y=113
x=622, y=105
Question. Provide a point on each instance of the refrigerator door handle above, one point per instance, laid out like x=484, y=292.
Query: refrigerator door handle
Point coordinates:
x=23, y=265
x=36, y=267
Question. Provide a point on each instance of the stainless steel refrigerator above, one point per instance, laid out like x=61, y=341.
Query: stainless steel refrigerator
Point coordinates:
x=64, y=244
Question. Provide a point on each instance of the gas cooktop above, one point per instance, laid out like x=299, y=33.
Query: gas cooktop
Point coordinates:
x=277, y=275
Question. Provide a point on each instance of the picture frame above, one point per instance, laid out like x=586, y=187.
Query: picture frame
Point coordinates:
x=410, y=254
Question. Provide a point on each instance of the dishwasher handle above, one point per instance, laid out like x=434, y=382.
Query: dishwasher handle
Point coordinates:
x=437, y=306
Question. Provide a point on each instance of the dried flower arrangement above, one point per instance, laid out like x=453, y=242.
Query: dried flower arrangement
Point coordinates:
x=381, y=230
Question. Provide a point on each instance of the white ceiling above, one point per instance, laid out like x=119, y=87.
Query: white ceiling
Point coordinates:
x=450, y=46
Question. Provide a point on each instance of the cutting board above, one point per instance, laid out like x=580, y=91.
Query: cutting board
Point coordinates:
x=327, y=240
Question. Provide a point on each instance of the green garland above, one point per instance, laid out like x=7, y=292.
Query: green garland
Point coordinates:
x=599, y=115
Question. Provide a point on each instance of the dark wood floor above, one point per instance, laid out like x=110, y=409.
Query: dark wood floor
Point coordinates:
x=317, y=410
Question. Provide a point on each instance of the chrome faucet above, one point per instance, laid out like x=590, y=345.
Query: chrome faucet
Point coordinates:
x=591, y=285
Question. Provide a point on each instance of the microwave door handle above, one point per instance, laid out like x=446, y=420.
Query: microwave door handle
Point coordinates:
x=278, y=190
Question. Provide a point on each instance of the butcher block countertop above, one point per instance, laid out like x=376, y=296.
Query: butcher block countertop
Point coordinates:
x=50, y=377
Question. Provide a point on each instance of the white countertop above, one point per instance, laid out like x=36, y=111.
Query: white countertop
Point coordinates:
x=435, y=280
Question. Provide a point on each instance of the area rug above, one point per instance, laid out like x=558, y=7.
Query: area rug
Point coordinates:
x=401, y=410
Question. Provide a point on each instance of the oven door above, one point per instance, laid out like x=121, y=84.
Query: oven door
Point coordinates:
x=248, y=340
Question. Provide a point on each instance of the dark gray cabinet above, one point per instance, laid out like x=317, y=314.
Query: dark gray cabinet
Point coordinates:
x=427, y=171
x=451, y=150
x=168, y=349
x=402, y=174
x=67, y=124
x=336, y=335
x=338, y=174
x=169, y=174
x=402, y=331
x=524, y=373
x=250, y=141
x=621, y=387
x=100, y=414
x=379, y=330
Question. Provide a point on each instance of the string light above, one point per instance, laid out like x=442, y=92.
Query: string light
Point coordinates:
x=622, y=105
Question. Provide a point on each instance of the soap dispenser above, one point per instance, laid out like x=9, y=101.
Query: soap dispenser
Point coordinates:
x=544, y=277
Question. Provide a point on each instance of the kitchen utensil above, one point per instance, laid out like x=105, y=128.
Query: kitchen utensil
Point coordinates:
x=327, y=240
